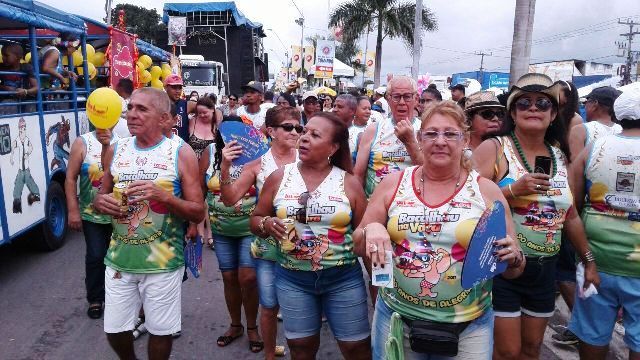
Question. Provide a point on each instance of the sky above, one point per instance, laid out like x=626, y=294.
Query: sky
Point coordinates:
x=568, y=29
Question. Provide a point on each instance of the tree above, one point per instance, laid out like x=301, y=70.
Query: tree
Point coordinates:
x=146, y=23
x=390, y=18
x=521, y=45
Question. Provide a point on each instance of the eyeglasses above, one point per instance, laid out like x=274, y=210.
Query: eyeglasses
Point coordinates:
x=430, y=135
x=290, y=127
x=397, y=97
x=542, y=104
x=301, y=214
x=489, y=114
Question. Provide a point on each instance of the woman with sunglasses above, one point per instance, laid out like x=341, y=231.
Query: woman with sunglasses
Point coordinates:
x=231, y=106
x=425, y=215
x=484, y=116
x=318, y=272
x=529, y=163
x=283, y=128
x=232, y=239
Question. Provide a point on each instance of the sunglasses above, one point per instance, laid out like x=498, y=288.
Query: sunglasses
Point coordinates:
x=311, y=101
x=291, y=127
x=431, y=135
x=301, y=214
x=234, y=99
x=489, y=114
x=542, y=104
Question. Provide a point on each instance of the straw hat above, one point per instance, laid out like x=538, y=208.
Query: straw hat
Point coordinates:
x=534, y=83
x=481, y=100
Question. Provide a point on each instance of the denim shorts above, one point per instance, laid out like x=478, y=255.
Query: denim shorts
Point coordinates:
x=338, y=292
x=266, y=278
x=594, y=318
x=233, y=252
x=476, y=341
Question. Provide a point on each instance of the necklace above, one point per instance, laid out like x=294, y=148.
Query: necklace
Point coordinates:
x=420, y=190
x=435, y=228
x=524, y=159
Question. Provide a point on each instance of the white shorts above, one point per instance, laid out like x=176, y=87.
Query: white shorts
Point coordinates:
x=160, y=294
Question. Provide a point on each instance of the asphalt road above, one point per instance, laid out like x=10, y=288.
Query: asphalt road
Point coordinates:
x=43, y=311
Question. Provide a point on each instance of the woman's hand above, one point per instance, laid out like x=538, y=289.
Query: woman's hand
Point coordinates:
x=231, y=151
x=510, y=251
x=275, y=228
x=528, y=184
x=377, y=242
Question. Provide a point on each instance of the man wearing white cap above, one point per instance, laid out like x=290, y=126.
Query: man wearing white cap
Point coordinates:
x=607, y=171
x=378, y=98
x=251, y=101
x=309, y=106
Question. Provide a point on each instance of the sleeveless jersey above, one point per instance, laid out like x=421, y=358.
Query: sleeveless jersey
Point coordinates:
x=354, y=133
x=388, y=154
x=595, y=130
x=227, y=220
x=325, y=240
x=48, y=81
x=429, y=246
x=148, y=239
x=538, y=218
x=612, y=210
x=266, y=249
x=91, y=178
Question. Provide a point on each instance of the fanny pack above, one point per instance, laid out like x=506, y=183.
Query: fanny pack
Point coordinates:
x=436, y=338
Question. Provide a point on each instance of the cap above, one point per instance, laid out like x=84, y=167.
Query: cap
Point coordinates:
x=308, y=94
x=381, y=90
x=627, y=105
x=460, y=87
x=254, y=85
x=480, y=100
x=173, y=79
x=534, y=83
x=378, y=108
x=605, y=95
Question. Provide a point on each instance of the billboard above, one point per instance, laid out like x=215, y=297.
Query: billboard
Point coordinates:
x=177, y=28
x=325, y=54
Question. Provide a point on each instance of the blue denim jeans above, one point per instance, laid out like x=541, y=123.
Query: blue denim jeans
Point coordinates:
x=97, y=237
x=266, y=278
x=233, y=252
x=338, y=292
x=475, y=343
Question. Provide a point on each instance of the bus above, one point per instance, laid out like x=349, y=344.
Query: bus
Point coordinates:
x=205, y=77
x=36, y=132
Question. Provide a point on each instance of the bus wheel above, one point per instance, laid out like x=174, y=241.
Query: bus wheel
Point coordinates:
x=54, y=228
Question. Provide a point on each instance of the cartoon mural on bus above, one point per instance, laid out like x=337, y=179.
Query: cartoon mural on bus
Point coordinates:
x=60, y=154
x=21, y=150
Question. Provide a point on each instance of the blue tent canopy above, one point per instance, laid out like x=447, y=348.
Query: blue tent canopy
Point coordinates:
x=27, y=12
x=183, y=8
x=144, y=47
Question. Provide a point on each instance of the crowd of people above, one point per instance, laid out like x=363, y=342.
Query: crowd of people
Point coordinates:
x=347, y=180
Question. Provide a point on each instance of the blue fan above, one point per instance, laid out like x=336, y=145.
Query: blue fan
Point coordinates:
x=254, y=143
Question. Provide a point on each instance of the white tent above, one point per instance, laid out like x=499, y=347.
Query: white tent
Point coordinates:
x=341, y=69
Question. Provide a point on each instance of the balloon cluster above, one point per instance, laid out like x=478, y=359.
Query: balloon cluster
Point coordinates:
x=152, y=75
x=94, y=60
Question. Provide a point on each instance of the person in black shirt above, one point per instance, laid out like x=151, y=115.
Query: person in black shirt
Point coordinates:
x=25, y=86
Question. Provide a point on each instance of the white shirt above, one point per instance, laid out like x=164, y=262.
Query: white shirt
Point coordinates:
x=121, y=129
x=256, y=118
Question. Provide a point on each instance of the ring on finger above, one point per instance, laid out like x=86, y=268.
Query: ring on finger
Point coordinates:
x=373, y=248
x=538, y=187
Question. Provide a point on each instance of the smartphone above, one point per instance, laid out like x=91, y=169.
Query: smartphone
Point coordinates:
x=543, y=165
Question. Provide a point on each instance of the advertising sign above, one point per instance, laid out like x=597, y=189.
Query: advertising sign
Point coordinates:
x=324, y=59
x=177, y=28
x=308, y=58
x=370, y=62
x=295, y=58
x=123, y=64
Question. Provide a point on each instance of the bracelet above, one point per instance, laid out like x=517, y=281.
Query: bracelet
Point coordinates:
x=227, y=182
x=511, y=191
x=261, y=226
x=588, y=257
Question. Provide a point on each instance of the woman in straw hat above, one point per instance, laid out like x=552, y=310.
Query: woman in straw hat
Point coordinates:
x=529, y=163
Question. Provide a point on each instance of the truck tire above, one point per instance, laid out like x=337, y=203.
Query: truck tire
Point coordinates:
x=54, y=227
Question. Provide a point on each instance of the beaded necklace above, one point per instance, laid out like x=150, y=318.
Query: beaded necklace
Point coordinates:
x=420, y=191
x=524, y=159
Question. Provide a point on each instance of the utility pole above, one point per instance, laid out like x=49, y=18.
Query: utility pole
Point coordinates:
x=482, y=55
x=630, y=53
x=417, y=40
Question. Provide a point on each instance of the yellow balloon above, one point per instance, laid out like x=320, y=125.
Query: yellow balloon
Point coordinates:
x=140, y=66
x=165, y=73
x=92, y=71
x=77, y=58
x=145, y=60
x=27, y=58
x=156, y=83
x=98, y=59
x=91, y=52
x=155, y=71
x=104, y=107
x=166, y=67
x=145, y=76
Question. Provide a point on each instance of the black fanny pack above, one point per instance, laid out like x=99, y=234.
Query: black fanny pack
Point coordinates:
x=436, y=338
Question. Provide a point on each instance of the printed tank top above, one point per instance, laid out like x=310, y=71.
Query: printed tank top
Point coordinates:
x=596, y=130
x=91, y=178
x=354, y=134
x=325, y=240
x=149, y=238
x=429, y=245
x=538, y=218
x=227, y=220
x=266, y=249
x=612, y=210
x=388, y=154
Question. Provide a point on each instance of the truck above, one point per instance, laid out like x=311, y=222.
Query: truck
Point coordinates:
x=203, y=76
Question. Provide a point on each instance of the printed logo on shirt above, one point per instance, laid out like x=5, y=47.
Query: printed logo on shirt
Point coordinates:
x=625, y=182
x=140, y=175
x=141, y=161
x=160, y=166
x=626, y=160
x=461, y=204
